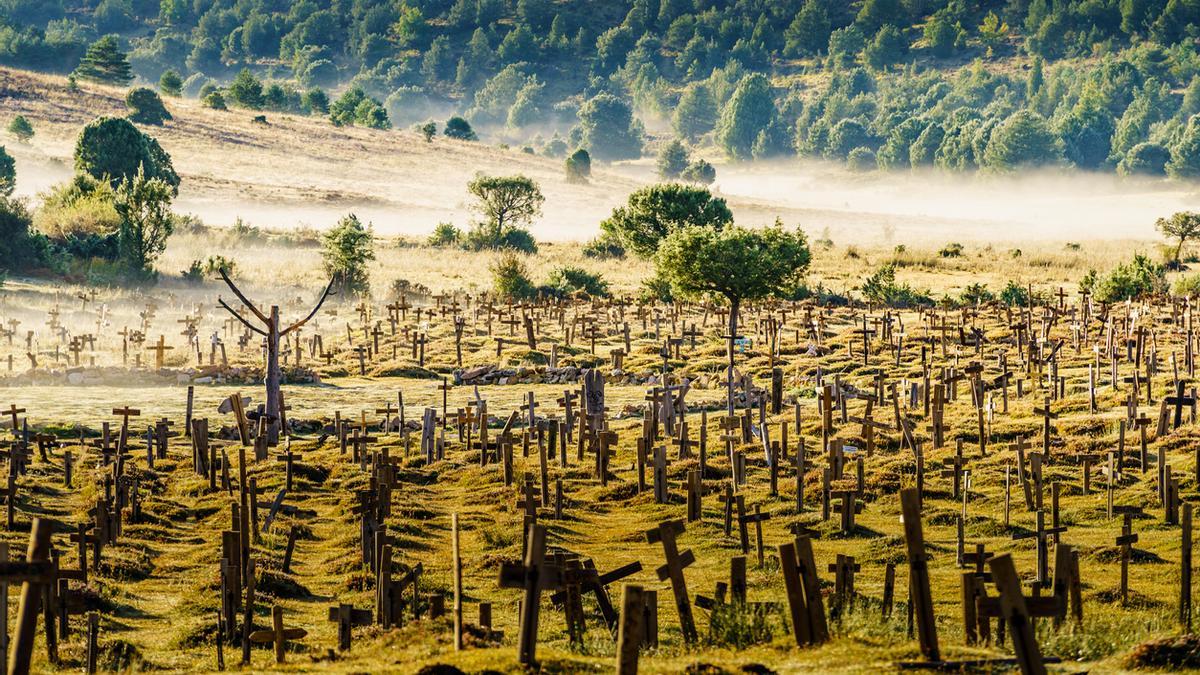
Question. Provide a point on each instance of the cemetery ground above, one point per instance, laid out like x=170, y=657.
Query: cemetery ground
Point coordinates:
x=158, y=591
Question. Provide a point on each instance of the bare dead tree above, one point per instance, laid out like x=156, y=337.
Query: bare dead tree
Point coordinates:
x=272, y=333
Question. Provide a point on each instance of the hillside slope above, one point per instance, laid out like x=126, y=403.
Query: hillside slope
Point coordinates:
x=299, y=170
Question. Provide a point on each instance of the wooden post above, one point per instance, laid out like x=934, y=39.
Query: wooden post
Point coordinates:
x=631, y=630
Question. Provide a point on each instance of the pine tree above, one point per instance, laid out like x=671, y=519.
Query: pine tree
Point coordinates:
x=104, y=62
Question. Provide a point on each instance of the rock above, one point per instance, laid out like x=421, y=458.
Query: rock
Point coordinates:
x=75, y=378
x=203, y=380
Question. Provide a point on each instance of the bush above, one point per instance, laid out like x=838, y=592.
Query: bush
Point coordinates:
x=1014, y=295
x=1145, y=159
x=81, y=207
x=345, y=250
x=656, y=289
x=145, y=107
x=1136, y=278
x=510, y=277
x=951, y=250
x=976, y=294
x=604, y=246
x=21, y=248
x=699, y=172
x=459, y=128
x=445, y=234
x=483, y=236
x=578, y=166
x=21, y=129
x=569, y=281
x=862, y=159
x=1189, y=286
x=215, y=100
x=881, y=288
x=170, y=83
x=427, y=130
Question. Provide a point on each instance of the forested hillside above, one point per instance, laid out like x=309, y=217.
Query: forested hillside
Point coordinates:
x=1108, y=85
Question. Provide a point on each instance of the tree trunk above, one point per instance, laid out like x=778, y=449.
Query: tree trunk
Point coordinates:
x=273, y=376
x=733, y=331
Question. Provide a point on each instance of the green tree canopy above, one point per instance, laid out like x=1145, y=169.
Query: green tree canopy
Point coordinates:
x=1022, y=140
x=145, y=107
x=346, y=249
x=609, y=131
x=655, y=211
x=506, y=201
x=1182, y=226
x=672, y=160
x=748, y=112
x=105, y=62
x=111, y=148
x=21, y=128
x=143, y=205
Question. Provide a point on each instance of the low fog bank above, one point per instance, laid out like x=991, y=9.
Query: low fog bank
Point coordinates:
x=934, y=206
x=925, y=206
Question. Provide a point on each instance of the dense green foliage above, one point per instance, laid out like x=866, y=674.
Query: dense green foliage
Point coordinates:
x=145, y=107
x=1099, y=85
x=507, y=204
x=21, y=128
x=655, y=211
x=346, y=250
x=112, y=148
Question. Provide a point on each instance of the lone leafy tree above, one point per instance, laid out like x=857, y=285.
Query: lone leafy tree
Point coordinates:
x=506, y=201
x=145, y=107
x=656, y=211
x=104, y=62
x=346, y=249
x=270, y=330
x=144, y=207
x=738, y=263
x=1182, y=226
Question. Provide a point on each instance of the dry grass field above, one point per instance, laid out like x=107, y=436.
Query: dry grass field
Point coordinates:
x=157, y=590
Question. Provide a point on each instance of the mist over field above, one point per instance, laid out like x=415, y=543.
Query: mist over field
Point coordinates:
x=926, y=206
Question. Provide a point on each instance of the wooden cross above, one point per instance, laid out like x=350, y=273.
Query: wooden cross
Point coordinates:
x=347, y=617
x=534, y=576
x=1126, y=540
x=159, y=350
x=1179, y=401
x=278, y=635
x=666, y=533
x=1047, y=415
x=1041, y=534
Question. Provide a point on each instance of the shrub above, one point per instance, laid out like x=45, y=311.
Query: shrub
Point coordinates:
x=81, y=207
x=215, y=100
x=427, y=130
x=1138, y=277
x=459, y=128
x=951, y=250
x=510, y=277
x=604, y=246
x=145, y=107
x=20, y=246
x=862, y=159
x=345, y=250
x=1189, y=286
x=483, y=236
x=194, y=274
x=699, y=172
x=1014, y=295
x=569, y=281
x=445, y=234
x=170, y=83
x=881, y=288
x=21, y=129
x=656, y=289
x=976, y=294
x=578, y=166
